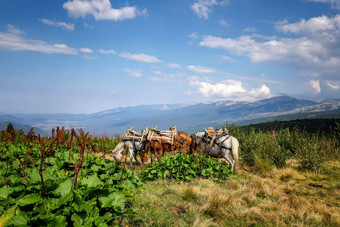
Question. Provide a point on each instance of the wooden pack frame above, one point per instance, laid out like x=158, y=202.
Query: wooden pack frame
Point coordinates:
x=164, y=136
x=132, y=135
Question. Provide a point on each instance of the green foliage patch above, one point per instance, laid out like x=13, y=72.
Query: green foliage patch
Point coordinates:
x=182, y=167
x=100, y=197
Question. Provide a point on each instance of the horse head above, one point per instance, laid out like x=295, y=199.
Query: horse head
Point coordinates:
x=117, y=151
x=198, y=139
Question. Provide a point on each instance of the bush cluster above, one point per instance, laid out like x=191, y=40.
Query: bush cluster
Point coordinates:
x=266, y=149
x=186, y=167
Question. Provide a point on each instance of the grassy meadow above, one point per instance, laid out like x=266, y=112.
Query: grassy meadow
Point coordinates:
x=286, y=177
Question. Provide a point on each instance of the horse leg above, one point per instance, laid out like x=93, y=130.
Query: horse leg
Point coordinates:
x=135, y=156
x=226, y=155
x=131, y=155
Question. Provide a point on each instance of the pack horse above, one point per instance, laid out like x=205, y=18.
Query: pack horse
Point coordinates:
x=219, y=145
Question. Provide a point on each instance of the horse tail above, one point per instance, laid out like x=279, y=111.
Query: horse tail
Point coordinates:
x=234, y=150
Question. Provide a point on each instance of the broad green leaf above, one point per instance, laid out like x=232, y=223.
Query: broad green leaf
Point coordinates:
x=166, y=173
x=105, y=202
x=18, y=220
x=64, y=188
x=29, y=199
x=92, y=181
x=34, y=176
x=5, y=192
x=107, y=216
x=77, y=221
x=118, y=202
x=59, y=221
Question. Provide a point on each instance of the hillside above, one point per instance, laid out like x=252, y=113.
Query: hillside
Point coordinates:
x=190, y=118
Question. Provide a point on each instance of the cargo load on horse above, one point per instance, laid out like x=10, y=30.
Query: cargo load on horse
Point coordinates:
x=164, y=136
x=132, y=142
x=218, y=144
x=167, y=140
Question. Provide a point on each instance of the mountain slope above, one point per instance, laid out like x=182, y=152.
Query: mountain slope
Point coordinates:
x=188, y=118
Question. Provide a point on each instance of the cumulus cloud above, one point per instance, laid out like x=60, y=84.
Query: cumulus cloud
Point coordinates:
x=333, y=86
x=14, y=30
x=63, y=25
x=204, y=7
x=227, y=58
x=86, y=25
x=173, y=65
x=86, y=50
x=224, y=23
x=106, y=51
x=11, y=42
x=134, y=72
x=334, y=3
x=194, y=35
x=140, y=57
x=315, y=51
x=101, y=10
x=229, y=89
x=249, y=29
x=315, y=84
x=160, y=76
x=200, y=69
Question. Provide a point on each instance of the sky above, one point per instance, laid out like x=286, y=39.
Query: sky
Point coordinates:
x=85, y=56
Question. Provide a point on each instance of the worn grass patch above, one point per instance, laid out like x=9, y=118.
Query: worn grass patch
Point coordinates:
x=283, y=197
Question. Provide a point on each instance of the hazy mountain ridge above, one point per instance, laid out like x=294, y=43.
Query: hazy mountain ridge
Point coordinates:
x=189, y=118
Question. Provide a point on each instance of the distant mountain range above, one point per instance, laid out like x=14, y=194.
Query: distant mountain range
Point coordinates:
x=190, y=118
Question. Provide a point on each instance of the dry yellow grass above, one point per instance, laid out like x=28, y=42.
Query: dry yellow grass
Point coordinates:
x=281, y=197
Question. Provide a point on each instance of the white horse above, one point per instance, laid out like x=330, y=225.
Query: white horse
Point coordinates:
x=132, y=146
x=220, y=148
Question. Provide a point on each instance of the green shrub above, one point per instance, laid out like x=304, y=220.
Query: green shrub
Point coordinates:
x=99, y=199
x=182, y=167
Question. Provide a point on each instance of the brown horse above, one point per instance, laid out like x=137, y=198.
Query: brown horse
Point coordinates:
x=182, y=141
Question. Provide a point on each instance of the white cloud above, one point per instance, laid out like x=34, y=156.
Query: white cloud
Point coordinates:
x=333, y=86
x=140, y=57
x=200, y=69
x=194, y=35
x=167, y=76
x=249, y=29
x=316, y=51
x=133, y=72
x=86, y=50
x=63, y=25
x=101, y=10
x=11, y=42
x=224, y=23
x=86, y=25
x=334, y=3
x=227, y=58
x=204, y=7
x=14, y=30
x=315, y=84
x=229, y=89
x=173, y=65
x=106, y=51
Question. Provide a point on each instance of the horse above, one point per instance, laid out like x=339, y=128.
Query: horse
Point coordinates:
x=132, y=146
x=220, y=148
x=182, y=141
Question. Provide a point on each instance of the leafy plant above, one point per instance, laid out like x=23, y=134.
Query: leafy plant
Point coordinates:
x=41, y=186
x=182, y=167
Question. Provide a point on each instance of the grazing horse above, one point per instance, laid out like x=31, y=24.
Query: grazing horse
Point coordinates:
x=220, y=148
x=182, y=141
x=132, y=146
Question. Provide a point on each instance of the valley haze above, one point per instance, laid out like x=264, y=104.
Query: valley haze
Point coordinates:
x=189, y=118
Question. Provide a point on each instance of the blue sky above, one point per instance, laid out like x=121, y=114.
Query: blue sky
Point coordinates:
x=85, y=56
